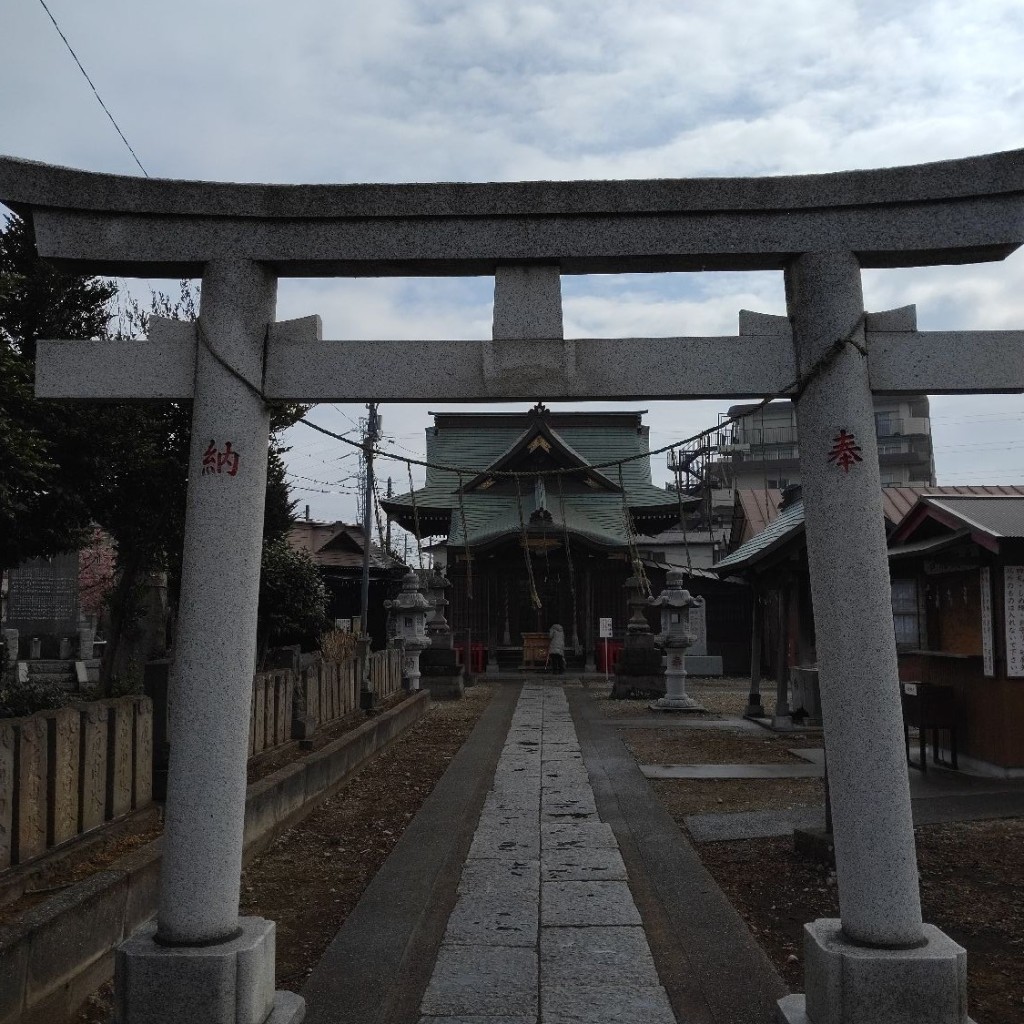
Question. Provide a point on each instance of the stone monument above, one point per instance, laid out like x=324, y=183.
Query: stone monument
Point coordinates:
x=697, y=660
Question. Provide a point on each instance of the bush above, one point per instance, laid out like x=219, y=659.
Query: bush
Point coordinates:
x=293, y=599
x=336, y=645
x=19, y=699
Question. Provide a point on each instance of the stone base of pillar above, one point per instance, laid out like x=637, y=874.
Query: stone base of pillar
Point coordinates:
x=848, y=984
x=230, y=983
x=753, y=710
x=675, y=704
x=492, y=666
x=443, y=687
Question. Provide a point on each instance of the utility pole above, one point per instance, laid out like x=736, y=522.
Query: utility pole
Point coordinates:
x=387, y=529
x=366, y=694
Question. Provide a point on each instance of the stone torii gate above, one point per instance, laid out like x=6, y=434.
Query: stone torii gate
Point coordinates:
x=200, y=961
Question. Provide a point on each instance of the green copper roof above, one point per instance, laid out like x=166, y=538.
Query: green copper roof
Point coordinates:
x=476, y=443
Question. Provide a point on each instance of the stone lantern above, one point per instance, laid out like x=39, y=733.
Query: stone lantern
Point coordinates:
x=676, y=636
x=638, y=669
x=410, y=615
x=435, y=583
x=441, y=673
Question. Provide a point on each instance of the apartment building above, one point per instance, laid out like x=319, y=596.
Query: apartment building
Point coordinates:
x=761, y=449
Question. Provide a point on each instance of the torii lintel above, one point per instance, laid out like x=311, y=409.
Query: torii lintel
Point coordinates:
x=953, y=211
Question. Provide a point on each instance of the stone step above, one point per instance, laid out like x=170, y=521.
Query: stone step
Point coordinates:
x=50, y=666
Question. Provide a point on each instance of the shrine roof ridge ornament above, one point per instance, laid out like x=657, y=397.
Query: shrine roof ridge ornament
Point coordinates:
x=953, y=211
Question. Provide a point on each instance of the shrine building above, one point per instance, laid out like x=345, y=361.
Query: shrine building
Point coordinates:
x=527, y=547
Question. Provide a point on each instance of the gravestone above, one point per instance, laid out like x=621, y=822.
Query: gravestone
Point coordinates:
x=42, y=599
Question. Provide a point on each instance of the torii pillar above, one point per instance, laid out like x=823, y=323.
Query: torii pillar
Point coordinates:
x=878, y=962
x=200, y=961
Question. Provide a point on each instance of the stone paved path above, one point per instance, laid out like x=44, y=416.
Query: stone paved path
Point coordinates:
x=545, y=927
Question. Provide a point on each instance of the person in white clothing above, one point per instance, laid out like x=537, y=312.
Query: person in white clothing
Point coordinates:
x=556, y=649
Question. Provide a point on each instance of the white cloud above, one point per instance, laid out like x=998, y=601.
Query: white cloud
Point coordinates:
x=406, y=90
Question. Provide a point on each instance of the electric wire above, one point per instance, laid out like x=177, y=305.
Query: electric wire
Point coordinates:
x=96, y=93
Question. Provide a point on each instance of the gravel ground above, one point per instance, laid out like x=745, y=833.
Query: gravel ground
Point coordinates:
x=311, y=876
x=972, y=873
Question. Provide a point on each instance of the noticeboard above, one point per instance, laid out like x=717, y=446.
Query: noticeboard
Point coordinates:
x=605, y=628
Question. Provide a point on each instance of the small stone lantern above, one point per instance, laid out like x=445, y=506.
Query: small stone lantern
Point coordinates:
x=675, y=637
x=410, y=615
x=435, y=583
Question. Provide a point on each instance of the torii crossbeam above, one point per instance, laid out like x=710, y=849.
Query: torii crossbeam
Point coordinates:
x=879, y=962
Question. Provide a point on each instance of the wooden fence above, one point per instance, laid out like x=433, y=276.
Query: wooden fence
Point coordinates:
x=67, y=771
x=324, y=692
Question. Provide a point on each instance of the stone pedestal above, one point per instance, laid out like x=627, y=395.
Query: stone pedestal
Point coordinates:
x=441, y=674
x=676, y=698
x=231, y=982
x=639, y=669
x=850, y=984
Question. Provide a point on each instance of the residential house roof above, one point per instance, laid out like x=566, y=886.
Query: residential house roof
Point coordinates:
x=336, y=545
x=757, y=507
x=785, y=526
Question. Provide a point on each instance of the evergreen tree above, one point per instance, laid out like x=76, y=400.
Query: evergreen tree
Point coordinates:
x=123, y=466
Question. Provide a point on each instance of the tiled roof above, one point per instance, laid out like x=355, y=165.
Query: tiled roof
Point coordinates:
x=760, y=506
x=335, y=545
x=998, y=516
x=898, y=501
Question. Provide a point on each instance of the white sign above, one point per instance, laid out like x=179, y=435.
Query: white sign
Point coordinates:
x=986, y=621
x=606, y=628
x=910, y=689
x=344, y=625
x=1013, y=596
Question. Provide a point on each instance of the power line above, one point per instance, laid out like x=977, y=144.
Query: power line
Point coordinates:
x=93, y=87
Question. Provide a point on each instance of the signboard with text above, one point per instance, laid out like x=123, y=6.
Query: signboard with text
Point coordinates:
x=605, y=628
x=1013, y=598
x=986, y=621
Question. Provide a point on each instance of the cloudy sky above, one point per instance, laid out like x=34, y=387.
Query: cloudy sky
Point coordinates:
x=489, y=90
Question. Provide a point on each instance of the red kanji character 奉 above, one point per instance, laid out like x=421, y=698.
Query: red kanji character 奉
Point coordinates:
x=845, y=451
x=228, y=458
x=210, y=459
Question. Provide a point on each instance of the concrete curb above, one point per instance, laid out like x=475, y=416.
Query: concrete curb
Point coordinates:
x=62, y=950
x=380, y=962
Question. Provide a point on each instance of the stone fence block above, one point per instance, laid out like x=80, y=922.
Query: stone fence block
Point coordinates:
x=63, y=764
x=7, y=747
x=30, y=827
x=142, y=752
x=92, y=778
x=119, y=759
